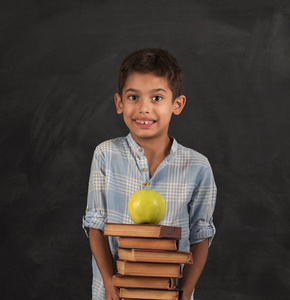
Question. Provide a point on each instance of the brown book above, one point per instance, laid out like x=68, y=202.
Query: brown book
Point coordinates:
x=149, y=269
x=149, y=294
x=159, y=256
x=147, y=243
x=144, y=282
x=142, y=230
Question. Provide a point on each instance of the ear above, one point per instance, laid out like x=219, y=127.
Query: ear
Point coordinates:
x=118, y=103
x=179, y=104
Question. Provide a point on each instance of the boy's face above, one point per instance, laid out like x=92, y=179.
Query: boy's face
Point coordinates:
x=147, y=106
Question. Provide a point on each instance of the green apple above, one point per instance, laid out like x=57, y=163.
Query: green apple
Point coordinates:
x=146, y=206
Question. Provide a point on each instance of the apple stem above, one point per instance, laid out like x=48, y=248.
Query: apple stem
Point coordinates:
x=148, y=185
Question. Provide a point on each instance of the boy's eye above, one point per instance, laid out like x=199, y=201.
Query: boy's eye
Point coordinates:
x=157, y=98
x=133, y=97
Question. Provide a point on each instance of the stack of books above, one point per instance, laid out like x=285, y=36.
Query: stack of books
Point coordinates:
x=149, y=262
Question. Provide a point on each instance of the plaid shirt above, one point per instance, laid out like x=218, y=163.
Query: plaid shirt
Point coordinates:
x=184, y=178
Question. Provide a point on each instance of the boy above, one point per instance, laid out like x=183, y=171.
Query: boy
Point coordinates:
x=150, y=83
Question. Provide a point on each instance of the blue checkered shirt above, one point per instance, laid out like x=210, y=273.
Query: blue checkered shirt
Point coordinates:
x=184, y=178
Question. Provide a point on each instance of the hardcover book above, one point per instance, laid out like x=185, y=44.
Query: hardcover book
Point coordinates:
x=148, y=243
x=144, y=282
x=149, y=294
x=160, y=256
x=142, y=230
x=149, y=269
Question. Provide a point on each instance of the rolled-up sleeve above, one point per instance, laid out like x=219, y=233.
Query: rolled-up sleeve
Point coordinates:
x=96, y=211
x=201, y=207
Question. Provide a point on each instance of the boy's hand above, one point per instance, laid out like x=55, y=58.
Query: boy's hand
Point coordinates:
x=191, y=273
x=112, y=295
x=112, y=292
x=185, y=297
x=102, y=253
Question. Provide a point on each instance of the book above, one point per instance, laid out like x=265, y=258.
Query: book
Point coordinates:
x=144, y=282
x=142, y=230
x=149, y=294
x=149, y=269
x=148, y=243
x=159, y=256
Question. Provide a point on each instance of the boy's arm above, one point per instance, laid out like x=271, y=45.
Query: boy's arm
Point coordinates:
x=191, y=273
x=201, y=208
x=101, y=251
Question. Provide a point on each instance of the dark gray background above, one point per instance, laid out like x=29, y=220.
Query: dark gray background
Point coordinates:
x=59, y=63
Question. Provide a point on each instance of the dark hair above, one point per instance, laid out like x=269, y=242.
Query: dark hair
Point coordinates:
x=152, y=61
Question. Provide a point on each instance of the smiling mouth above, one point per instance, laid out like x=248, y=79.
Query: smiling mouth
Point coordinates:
x=143, y=122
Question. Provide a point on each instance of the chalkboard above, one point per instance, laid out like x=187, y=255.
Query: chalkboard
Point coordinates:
x=59, y=70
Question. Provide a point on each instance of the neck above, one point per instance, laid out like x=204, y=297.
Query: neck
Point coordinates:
x=156, y=148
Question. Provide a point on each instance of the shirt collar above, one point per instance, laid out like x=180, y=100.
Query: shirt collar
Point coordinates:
x=136, y=149
x=140, y=151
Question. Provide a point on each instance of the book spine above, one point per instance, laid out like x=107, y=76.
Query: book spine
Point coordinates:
x=172, y=232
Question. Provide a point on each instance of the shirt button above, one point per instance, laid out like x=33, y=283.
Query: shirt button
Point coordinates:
x=144, y=169
x=140, y=149
x=145, y=183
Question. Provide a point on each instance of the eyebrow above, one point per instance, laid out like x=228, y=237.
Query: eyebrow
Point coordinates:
x=154, y=90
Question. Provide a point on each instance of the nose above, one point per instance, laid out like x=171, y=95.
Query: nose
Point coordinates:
x=144, y=106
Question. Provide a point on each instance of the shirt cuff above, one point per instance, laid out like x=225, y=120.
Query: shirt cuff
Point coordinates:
x=197, y=236
x=95, y=220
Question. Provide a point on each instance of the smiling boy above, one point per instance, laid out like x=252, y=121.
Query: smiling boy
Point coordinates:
x=147, y=106
x=150, y=83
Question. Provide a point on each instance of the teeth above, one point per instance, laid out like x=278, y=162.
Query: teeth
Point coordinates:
x=144, y=122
